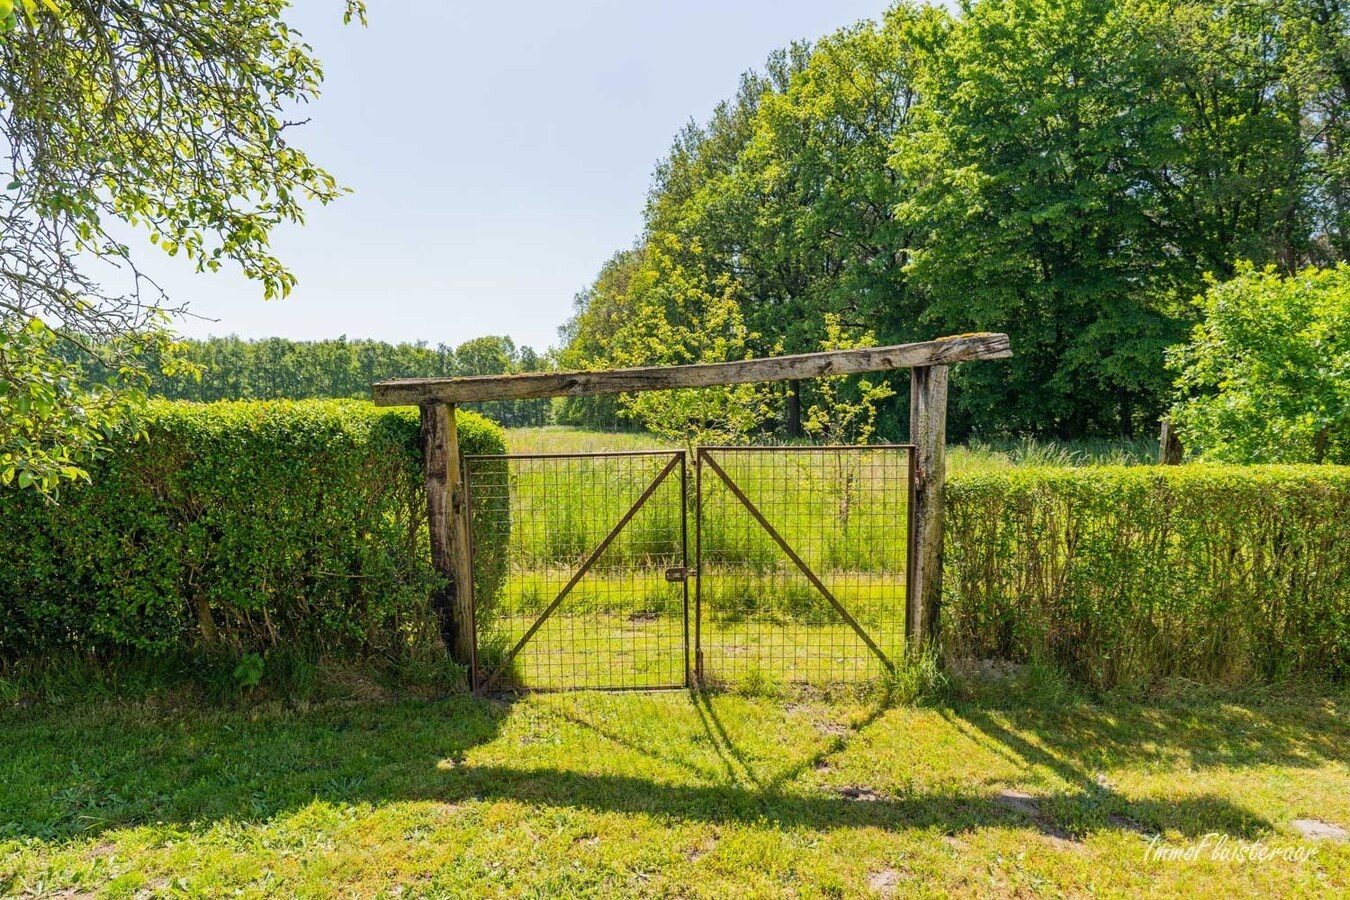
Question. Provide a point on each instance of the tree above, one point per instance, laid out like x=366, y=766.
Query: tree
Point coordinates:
x=1086, y=163
x=784, y=193
x=1266, y=375
x=1031, y=158
x=1066, y=171
x=587, y=335
x=838, y=415
x=673, y=318
x=166, y=117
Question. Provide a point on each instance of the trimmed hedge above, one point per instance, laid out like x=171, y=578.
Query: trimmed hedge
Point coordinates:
x=1124, y=574
x=238, y=525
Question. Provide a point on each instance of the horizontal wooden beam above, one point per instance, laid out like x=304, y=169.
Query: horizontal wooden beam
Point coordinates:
x=532, y=385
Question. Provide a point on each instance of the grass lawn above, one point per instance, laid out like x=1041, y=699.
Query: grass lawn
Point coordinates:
x=672, y=794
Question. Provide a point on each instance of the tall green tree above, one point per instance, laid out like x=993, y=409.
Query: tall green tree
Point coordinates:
x=1087, y=162
x=169, y=117
x=1067, y=171
x=786, y=194
x=1034, y=149
x=825, y=200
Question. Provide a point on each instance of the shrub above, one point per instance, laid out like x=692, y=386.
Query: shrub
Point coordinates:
x=239, y=526
x=1122, y=574
x=1267, y=373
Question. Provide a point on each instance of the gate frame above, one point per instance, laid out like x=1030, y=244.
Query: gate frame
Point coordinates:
x=679, y=460
x=911, y=528
x=447, y=508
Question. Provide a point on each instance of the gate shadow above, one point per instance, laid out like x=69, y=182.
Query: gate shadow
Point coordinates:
x=78, y=773
x=950, y=813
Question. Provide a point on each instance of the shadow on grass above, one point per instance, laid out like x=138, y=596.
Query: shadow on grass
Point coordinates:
x=78, y=772
x=950, y=813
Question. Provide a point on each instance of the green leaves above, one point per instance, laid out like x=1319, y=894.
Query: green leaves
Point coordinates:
x=168, y=117
x=1066, y=171
x=1266, y=376
x=1123, y=575
x=672, y=316
x=231, y=527
x=51, y=422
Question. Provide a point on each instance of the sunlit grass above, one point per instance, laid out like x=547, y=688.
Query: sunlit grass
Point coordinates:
x=565, y=439
x=606, y=649
x=744, y=794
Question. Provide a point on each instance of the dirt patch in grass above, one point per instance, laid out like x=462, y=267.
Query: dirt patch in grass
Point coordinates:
x=885, y=882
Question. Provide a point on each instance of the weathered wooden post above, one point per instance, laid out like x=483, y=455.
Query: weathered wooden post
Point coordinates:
x=448, y=522
x=1169, y=445
x=928, y=433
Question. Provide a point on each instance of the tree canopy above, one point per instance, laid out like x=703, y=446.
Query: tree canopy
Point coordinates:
x=172, y=119
x=1266, y=374
x=228, y=368
x=1067, y=171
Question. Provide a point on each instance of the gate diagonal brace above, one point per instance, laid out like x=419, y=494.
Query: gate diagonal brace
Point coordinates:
x=797, y=560
x=676, y=459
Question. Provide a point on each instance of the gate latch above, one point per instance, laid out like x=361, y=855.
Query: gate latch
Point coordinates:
x=677, y=574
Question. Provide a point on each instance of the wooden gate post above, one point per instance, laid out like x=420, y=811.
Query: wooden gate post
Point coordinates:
x=448, y=523
x=1169, y=445
x=928, y=433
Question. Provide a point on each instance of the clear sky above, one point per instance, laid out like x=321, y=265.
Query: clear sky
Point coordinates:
x=499, y=153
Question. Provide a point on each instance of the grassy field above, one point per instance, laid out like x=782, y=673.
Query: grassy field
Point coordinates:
x=604, y=650
x=676, y=795
x=973, y=456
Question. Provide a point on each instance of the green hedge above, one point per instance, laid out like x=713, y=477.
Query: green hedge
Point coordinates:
x=238, y=525
x=1124, y=574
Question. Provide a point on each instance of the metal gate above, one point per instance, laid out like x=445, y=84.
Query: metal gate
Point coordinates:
x=579, y=570
x=802, y=556
x=581, y=577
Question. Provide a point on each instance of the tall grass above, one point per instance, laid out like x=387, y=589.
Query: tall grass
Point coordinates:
x=978, y=454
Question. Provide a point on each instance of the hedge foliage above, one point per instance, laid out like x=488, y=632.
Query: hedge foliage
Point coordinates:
x=237, y=525
x=1123, y=574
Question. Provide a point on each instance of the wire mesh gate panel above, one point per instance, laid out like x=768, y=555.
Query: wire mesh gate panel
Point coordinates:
x=579, y=570
x=802, y=557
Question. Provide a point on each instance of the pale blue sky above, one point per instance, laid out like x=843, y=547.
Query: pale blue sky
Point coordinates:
x=499, y=153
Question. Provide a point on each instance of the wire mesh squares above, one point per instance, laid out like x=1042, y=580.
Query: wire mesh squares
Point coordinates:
x=573, y=564
x=803, y=554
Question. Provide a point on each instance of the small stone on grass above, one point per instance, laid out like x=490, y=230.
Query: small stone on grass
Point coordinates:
x=1317, y=830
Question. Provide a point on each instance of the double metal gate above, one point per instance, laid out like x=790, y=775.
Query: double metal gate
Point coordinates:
x=613, y=570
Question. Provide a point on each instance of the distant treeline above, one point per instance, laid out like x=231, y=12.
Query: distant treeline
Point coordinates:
x=276, y=368
x=1067, y=171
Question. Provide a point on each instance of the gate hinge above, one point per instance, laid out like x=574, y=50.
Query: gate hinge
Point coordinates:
x=678, y=573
